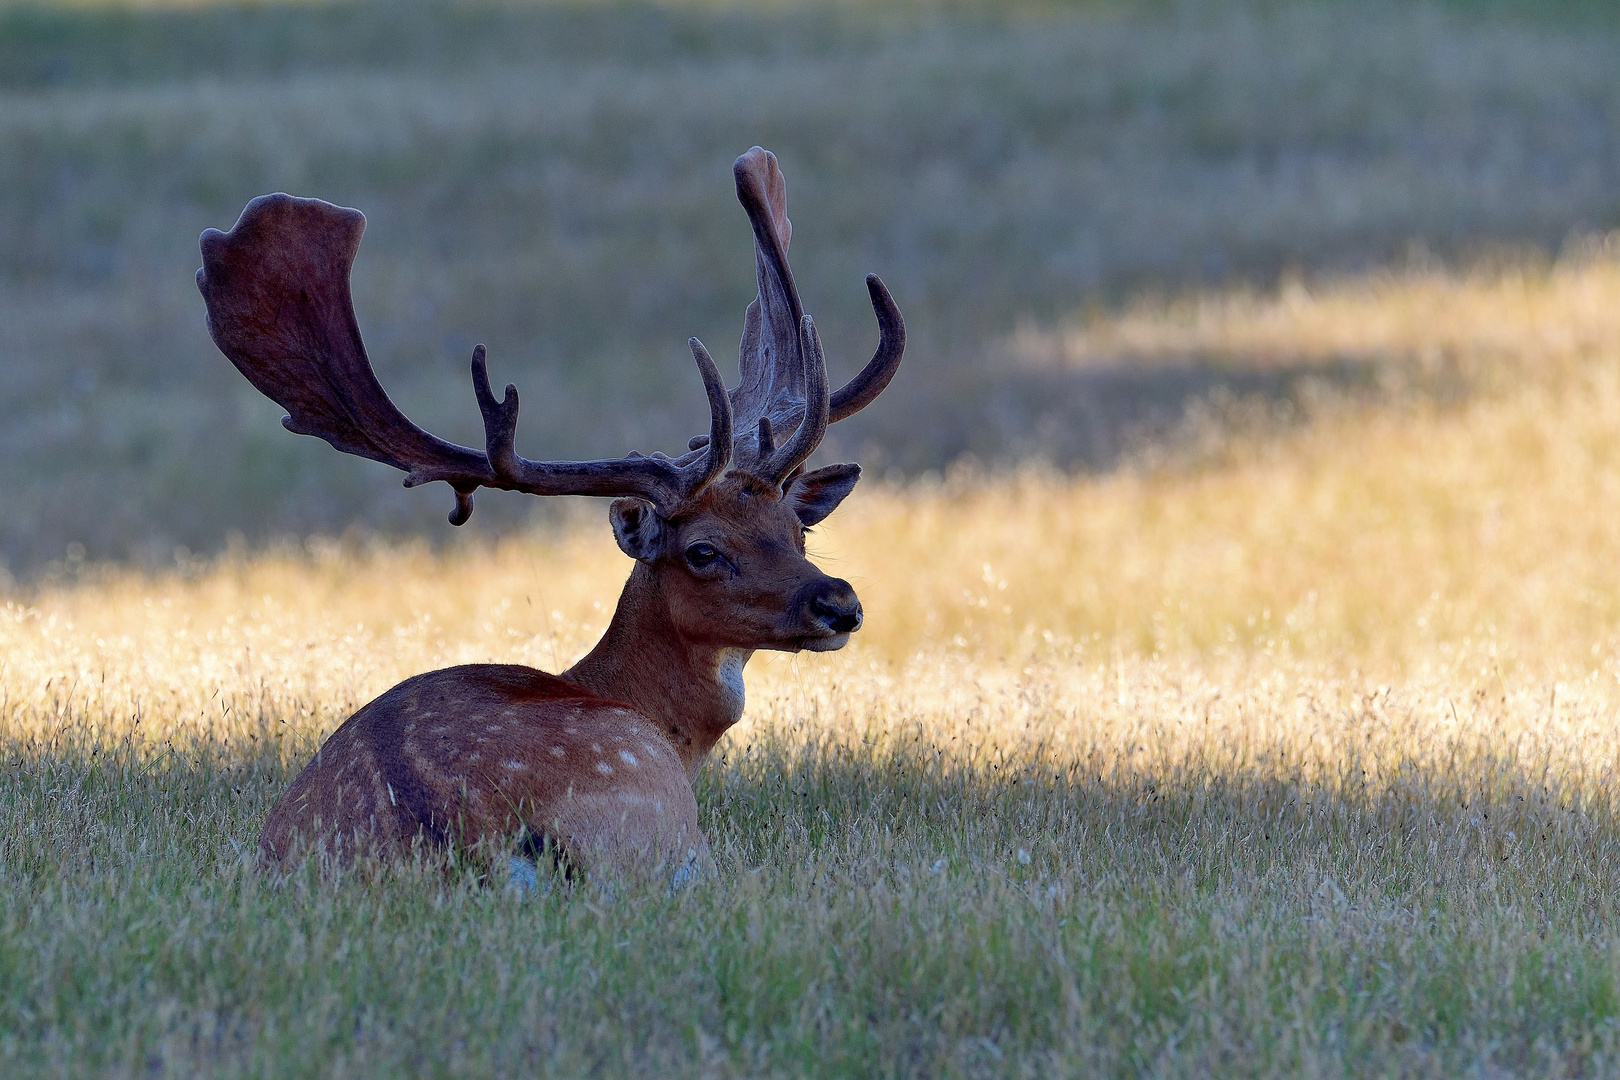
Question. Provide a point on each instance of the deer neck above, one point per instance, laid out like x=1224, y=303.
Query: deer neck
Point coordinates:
x=694, y=692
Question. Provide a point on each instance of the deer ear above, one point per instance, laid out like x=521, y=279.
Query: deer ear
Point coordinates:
x=814, y=495
x=636, y=526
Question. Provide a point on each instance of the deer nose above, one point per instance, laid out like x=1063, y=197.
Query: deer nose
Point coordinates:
x=837, y=607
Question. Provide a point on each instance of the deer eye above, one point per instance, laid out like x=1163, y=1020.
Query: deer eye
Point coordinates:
x=701, y=555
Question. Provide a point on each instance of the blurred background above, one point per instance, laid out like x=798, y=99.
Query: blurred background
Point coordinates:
x=552, y=179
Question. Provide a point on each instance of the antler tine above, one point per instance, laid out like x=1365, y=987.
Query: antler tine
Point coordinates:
x=814, y=426
x=719, y=456
x=663, y=481
x=500, y=417
x=864, y=388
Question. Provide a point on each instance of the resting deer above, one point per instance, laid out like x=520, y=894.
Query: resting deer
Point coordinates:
x=595, y=763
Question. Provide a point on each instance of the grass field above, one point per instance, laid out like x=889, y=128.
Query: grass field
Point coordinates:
x=551, y=178
x=1292, y=755
x=1239, y=686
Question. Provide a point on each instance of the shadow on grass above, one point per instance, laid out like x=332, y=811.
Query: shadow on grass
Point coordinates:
x=907, y=909
x=1098, y=417
x=914, y=803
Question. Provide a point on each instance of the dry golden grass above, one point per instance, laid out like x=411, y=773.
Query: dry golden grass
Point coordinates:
x=1500, y=310
x=1296, y=758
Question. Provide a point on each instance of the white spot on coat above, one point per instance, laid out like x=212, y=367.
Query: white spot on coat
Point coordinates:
x=557, y=751
x=628, y=758
x=604, y=768
x=514, y=765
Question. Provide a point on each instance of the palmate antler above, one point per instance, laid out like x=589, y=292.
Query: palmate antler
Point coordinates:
x=783, y=387
x=277, y=291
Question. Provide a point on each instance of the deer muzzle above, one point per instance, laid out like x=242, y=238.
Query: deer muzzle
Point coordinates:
x=831, y=611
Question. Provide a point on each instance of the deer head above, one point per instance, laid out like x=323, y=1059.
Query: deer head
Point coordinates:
x=717, y=532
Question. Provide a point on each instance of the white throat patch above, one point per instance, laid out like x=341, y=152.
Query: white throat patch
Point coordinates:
x=729, y=675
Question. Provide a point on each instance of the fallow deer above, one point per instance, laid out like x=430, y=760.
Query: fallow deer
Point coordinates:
x=597, y=762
